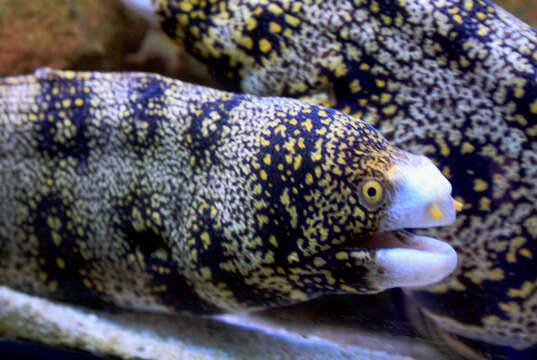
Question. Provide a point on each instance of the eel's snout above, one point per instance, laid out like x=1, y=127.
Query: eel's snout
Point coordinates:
x=421, y=197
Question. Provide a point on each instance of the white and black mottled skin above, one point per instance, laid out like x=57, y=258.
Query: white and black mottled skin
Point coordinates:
x=453, y=79
x=131, y=190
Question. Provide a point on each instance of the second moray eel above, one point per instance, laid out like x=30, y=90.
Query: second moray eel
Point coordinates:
x=137, y=191
x=455, y=80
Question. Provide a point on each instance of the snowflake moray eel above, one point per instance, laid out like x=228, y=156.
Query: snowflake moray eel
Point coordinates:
x=132, y=190
x=455, y=80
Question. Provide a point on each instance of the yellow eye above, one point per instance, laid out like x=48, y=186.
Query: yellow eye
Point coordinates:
x=372, y=192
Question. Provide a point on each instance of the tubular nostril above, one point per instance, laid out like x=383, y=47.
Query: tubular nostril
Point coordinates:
x=458, y=205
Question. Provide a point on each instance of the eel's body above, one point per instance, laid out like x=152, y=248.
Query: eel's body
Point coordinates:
x=453, y=79
x=137, y=191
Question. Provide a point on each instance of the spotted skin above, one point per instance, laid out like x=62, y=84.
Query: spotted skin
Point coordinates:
x=207, y=201
x=455, y=80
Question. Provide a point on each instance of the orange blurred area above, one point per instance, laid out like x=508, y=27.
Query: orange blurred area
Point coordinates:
x=525, y=10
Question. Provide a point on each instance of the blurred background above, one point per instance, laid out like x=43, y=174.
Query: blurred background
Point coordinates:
x=101, y=35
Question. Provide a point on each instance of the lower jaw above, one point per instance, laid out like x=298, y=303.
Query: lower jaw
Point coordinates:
x=404, y=259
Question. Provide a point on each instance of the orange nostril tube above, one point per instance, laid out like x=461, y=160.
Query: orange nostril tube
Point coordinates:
x=458, y=205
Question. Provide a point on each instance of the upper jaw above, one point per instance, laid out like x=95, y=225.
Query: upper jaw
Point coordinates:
x=421, y=196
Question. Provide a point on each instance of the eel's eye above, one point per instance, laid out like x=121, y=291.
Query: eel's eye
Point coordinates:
x=372, y=193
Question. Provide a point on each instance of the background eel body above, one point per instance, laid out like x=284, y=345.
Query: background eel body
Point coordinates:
x=131, y=190
x=455, y=80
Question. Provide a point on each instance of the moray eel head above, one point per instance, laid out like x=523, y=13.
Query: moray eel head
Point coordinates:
x=412, y=193
x=332, y=200
x=420, y=198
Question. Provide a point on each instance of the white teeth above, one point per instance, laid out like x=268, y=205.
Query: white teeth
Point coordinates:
x=422, y=196
x=426, y=262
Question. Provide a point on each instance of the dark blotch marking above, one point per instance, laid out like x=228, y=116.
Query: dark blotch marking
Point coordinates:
x=524, y=103
x=261, y=31
x=219, y=67
x=202, y=144
x=77, y=146
x=179, y=293
x=283, y=230
x=215, y=254
x=368, y=83
x=70, y=286
x=146, y=93
x=451, y=47
x=147, y=241
x=248, y=295
x=465, y=168
x=390, y=8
